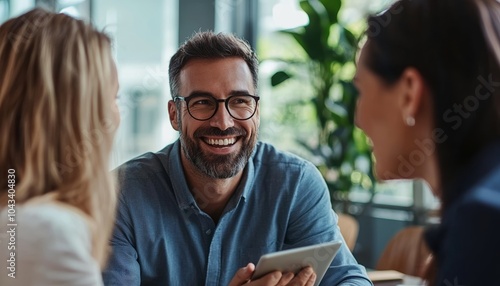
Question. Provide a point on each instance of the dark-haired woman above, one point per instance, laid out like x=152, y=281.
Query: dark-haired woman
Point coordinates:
x=429, y=84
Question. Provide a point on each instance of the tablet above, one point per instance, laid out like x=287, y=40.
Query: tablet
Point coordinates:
x=318, y=256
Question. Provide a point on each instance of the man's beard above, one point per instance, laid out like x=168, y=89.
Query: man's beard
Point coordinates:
x=218, y=166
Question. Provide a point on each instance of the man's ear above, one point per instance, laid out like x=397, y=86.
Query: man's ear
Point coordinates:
x=172, y=114
x=413, y=88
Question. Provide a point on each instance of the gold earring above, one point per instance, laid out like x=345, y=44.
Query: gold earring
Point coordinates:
x=410, y=121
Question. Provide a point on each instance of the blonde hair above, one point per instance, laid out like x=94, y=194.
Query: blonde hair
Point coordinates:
x=55, y=116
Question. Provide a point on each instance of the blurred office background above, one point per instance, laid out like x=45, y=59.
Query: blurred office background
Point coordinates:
x=146, y=34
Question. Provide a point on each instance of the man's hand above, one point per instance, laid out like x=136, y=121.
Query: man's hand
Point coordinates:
x=306, y=277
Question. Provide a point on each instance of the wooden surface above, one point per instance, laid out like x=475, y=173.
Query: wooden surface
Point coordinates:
x=393, y=278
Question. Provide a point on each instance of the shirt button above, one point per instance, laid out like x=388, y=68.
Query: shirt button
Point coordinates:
x=208, y=232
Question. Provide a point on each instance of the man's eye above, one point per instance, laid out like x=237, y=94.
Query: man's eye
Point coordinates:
x=239, y=100
x=200, y=102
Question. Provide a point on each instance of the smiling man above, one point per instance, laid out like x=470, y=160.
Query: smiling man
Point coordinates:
x=204, y=209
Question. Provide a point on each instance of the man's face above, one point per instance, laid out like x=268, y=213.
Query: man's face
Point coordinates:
x=220, y=146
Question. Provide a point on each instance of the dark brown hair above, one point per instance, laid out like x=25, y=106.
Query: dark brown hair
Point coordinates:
x=208, y=45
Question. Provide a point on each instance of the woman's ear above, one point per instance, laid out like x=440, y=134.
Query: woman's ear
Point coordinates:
x=172, y=114
x=413, y=88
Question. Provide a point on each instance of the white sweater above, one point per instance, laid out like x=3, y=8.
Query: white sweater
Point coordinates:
x=52, y=247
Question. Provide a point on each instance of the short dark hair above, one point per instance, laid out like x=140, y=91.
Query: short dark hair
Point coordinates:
x=445, y=41
x=208, y=45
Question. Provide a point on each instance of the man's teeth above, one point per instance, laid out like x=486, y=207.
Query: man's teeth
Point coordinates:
x=221, y=142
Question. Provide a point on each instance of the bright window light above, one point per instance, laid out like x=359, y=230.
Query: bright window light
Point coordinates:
x=286, y=15
x=69, y=2
x=71, y=11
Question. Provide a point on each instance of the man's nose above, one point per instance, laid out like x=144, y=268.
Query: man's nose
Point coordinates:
x=222, y=119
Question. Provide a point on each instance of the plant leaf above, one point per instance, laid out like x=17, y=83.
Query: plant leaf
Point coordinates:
x=316, y=33
x=332, y=7
x=298, y=35
x=339, y=113
x=361, y=141
x=279, y=77
x=349, y=38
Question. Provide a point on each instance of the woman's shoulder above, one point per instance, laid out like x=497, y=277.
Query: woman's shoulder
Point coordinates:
x=51, y=215
x=53, y=243
x=485, y=193
x=50, y=222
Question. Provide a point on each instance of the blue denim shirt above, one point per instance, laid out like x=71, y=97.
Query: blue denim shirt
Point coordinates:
x=163, y=238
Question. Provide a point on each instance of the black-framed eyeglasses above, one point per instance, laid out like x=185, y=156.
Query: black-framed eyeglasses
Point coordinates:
x=204, y=106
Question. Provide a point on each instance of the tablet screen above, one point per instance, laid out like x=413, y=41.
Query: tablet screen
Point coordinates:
x=318, y=256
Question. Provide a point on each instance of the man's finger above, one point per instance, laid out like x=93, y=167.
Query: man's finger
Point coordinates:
x=303, y=277
x=242, y=275
x=311, y=280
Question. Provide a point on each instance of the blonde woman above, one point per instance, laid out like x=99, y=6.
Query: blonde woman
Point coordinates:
x=58, y=115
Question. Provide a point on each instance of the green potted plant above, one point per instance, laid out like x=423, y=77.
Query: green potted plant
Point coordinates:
x=341, y=151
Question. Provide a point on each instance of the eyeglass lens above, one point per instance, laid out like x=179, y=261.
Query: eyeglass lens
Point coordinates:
x=203, y=107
